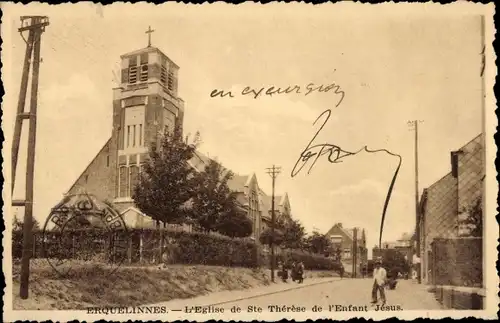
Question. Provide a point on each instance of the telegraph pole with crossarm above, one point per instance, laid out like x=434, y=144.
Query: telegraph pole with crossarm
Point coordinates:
x=418, y=232
x=35, y=25
x=273, y=172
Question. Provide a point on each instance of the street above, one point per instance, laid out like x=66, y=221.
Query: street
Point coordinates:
x=333, y=295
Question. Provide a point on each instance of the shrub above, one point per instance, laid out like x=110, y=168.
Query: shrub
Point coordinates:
x=180, y=247
x=206, y=249
x=311, y=261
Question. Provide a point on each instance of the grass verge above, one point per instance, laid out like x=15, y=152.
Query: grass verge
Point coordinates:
x=90, y=285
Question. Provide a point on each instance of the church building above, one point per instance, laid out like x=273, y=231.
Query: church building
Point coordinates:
x=144, y=103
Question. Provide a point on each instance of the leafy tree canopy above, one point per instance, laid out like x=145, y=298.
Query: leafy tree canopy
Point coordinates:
x=235, y=225
x=267, y=238
x=318, y=243
x=17, y=224
x=475, y=218
x=293, y=235
x=165, y=183
x=213, y=200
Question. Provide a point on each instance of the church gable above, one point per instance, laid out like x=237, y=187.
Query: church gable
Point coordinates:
x=99, y=176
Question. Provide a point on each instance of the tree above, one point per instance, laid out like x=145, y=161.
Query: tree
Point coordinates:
x=213, y=200
x=164, y=184
x=394, y=261
x=474, y=218
x=235, y=225
x=293, y=235
x=267, y=238
x=17, y=224
x=318, y=243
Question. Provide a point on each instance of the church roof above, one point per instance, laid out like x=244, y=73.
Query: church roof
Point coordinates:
x=236, y=184
x=347, y=231
x=142, y=50
x=265, y=203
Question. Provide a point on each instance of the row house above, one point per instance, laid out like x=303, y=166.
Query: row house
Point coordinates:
x=343, y=239
x=444, y=204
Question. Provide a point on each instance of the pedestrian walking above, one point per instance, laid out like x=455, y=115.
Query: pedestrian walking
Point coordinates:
x=379, y=279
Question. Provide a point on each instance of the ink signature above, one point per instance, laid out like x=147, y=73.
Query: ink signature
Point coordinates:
x=335, y=154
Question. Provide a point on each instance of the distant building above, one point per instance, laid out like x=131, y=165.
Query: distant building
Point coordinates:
x=343, y=239
x=403, y=245
x=282, y=210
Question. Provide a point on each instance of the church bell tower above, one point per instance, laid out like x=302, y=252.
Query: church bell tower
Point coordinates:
x=144, y=104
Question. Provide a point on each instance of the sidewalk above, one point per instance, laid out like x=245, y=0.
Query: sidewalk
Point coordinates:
x=413, y=296
x=235, y=295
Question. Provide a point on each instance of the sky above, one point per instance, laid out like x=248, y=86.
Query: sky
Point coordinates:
x=391, y=69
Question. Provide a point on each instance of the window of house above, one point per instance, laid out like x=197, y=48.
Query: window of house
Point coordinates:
x=107, y=161
x=347, y=253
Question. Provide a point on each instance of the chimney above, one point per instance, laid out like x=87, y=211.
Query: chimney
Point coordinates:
x=454, y=162
x=339, y=225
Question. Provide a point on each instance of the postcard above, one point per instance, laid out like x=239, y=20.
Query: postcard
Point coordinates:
x=249, y=162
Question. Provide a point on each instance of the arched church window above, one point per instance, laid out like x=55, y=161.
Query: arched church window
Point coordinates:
x=123, y=182
x=134, y=178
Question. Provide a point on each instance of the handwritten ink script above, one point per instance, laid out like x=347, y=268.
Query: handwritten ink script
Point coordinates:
x=290, y=89
x=335, y=154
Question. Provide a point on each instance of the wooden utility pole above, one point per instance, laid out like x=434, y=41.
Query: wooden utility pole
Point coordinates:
x=354, y=252
x=418, y=232
x=273, y=172
x=35, y=25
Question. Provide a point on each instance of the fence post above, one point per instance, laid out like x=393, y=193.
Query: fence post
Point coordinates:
x=73, y=247
x=130, y=250
x=140, y=246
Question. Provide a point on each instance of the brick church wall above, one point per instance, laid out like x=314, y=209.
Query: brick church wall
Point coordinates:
x=100, y=176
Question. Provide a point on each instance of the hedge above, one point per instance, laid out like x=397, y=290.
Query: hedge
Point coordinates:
x=180, y=247
x=310, y=261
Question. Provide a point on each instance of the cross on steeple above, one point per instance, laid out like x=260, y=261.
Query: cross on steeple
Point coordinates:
x=149, y=31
